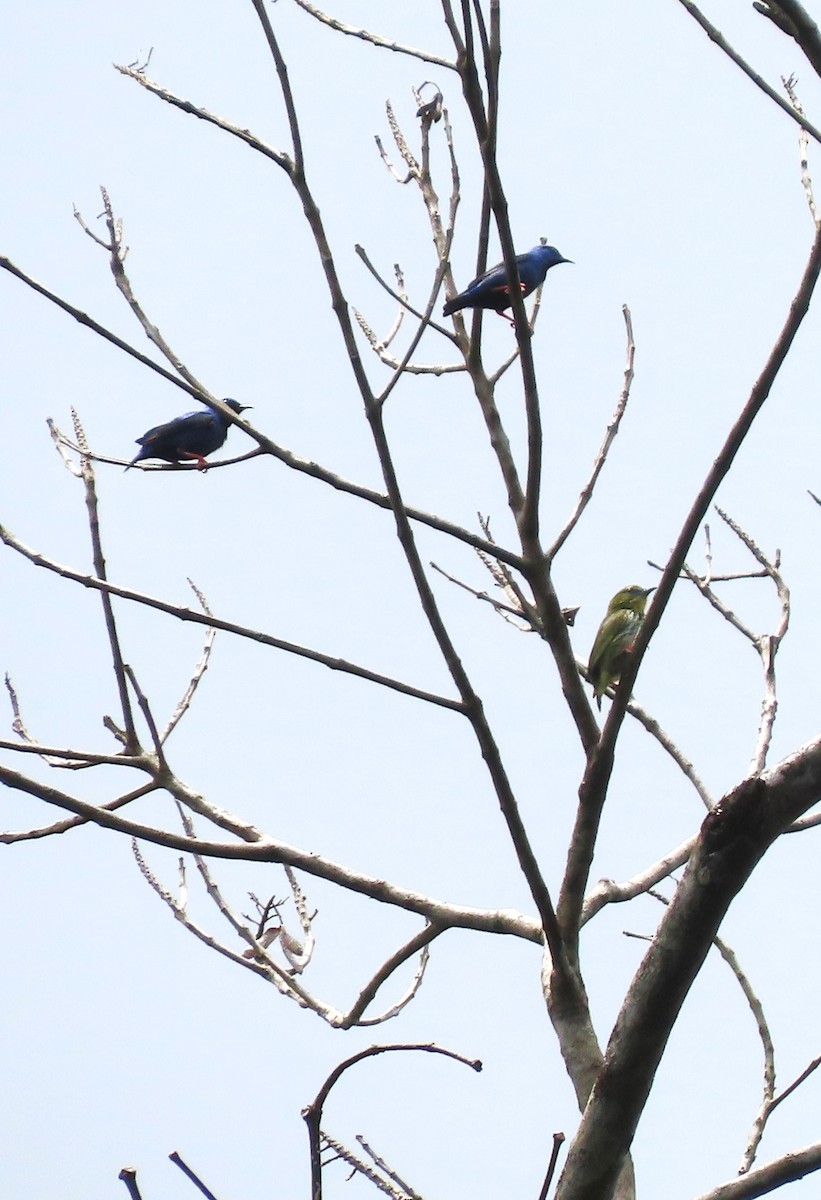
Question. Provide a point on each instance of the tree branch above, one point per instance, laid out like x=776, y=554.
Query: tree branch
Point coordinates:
x=213, y=622
x=732, y=840
x=773, y=1175
x=260, y=848
x=597, y=776
x=373, y=38
x=716, y=36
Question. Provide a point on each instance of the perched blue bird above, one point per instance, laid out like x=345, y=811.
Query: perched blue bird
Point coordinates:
x=492, y=289
x=190, y=436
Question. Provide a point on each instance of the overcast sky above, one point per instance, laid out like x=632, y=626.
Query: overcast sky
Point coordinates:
x=630, y=142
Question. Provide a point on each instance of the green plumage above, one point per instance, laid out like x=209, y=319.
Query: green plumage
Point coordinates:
x=616, y=637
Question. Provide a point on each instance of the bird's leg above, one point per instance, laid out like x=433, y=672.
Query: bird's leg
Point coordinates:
x=202, y=465
x=506, y=290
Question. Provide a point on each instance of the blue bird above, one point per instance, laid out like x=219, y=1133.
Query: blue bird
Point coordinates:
x=492, y=289
x=190, y=436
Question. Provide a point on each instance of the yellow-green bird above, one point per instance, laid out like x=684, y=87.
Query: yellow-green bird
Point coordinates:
x=616, y=637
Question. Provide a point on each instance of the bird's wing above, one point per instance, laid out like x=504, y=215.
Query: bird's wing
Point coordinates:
x=495, y=275
x=610, y=641
x=192, y=421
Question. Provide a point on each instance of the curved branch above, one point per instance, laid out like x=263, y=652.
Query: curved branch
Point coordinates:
x=317, y=1104
x=259, y=848
x=312, y=1113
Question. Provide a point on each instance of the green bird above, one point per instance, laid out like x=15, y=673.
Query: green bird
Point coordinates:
x=616, y=637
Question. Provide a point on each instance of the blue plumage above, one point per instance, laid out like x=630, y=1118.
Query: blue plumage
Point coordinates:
x=492, y=290
x=189, y=437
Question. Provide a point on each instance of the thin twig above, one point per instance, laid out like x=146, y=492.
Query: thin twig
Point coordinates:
x=293, y=461
x=299, y=954
x=362, y=253
x=503, y=609
x=374, y=38
x=390, y=360
x=73, y=758
x=259, y=848
x=186, y=106
x=472, y=704
x=116, y=260
x=53, y=757
x=715, y=36
x=608, y=892
x=131, y=743
x=756, y=1008
x=315, y=471
x=796, y=1083
x=804, y=823
x=609, y=437
x=10, y=837
x=666, y=742
x=558, y=1140
x=716, y=602
x=803, y=146
x=199, y=670
x=419, y=941
x=197, y=618
x=387, y=1170
x=195, y=1179
x=282, y=979
x=504, y=577
x=260, y=964
x=145, y=708
x=129, y=1178
x=424, y=322
x=380, y=345
x=767, y=645
x=594, y=786
x=358, y=1167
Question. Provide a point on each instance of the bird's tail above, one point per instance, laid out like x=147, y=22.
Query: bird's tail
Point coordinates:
x=453, y=305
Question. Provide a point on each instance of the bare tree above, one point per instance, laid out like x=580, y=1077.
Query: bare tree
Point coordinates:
x=612, y=1073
